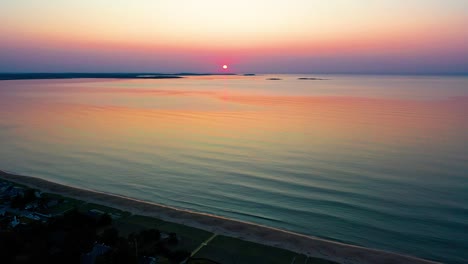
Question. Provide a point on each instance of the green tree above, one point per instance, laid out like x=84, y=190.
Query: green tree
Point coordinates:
x=104, y=220
x=110, y=236
x=173, y=240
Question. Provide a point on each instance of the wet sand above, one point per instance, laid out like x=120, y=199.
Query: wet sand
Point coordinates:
x=311, y=246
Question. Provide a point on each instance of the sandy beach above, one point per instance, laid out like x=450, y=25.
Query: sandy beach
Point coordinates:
x=311, y=246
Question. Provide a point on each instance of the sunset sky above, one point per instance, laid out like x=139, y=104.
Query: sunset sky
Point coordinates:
x=261, y=36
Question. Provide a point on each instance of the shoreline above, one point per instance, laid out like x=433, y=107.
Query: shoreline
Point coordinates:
x=299, y=243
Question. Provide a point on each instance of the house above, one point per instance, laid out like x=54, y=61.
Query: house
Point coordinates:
x=52, y=203
x=14, y=191
x=31, y=206
x=4, y=186
x=148, y=260
x=42, y=217
x=5, y=190
x=95, y=213
x=2, y=211
x=15, y=222
x=38, y=194
x=98, y=250
x=33, y=217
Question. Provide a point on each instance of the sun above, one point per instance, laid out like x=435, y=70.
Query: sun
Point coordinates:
x=225, y=66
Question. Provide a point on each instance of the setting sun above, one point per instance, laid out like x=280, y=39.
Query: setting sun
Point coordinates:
x=225, y=66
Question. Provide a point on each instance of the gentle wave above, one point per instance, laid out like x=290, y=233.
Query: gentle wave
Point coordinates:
x=378, y=162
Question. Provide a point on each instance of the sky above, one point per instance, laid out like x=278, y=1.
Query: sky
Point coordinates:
x=261, y=36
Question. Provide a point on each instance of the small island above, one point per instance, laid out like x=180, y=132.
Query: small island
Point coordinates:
x=310, y=79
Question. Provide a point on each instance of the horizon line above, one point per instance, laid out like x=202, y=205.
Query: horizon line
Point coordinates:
x=234, y=73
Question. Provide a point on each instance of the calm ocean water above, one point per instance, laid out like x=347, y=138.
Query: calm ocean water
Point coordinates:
x=377, y=161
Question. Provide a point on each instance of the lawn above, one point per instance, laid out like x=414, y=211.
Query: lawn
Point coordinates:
x=229, y=250
x=189, y=237
x=85, y=207
x=67, y=204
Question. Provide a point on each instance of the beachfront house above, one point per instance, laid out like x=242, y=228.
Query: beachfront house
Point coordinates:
x=13, y=191
x=148, y=260
x=15, y=222
x=5, y=190
x=98, y=250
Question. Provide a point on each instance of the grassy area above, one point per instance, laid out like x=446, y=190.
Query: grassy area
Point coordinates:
x=163, y=260
x=221, y=249
x=67, y=204
x=85, y=207
x=16, y=184
x=229, y=250
x=201, y=261
x=141, y=222
x=183, y=230
x=189, y=237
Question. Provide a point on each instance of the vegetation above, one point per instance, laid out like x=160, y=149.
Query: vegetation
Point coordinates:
x=20, y=201
x=189, y=238
x=228, y=250
x=61, y=240
x=73, y=231
x=66, y=238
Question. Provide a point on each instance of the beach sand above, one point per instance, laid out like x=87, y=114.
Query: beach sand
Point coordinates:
x=308, y=245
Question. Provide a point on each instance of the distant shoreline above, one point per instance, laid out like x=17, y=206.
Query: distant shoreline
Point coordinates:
x=311, y=246
x=45, y=76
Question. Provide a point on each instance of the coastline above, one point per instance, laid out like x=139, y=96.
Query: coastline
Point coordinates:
x=308, y=245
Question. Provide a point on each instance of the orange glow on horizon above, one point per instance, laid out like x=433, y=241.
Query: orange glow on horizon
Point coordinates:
x=408, y=40
x=148, y=33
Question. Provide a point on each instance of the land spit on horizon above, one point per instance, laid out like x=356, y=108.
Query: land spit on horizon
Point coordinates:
x=83, y=75
x=123, y=75
x=310, y=246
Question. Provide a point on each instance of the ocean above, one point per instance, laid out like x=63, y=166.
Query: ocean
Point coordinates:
x=375, y=161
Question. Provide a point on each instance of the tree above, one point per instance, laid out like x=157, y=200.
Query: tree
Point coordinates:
x=17, y=202
x=104, y=220
x=29, y=196
x=173, y=240
x=110, y=236
x=151, y=235
x=178, y=256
